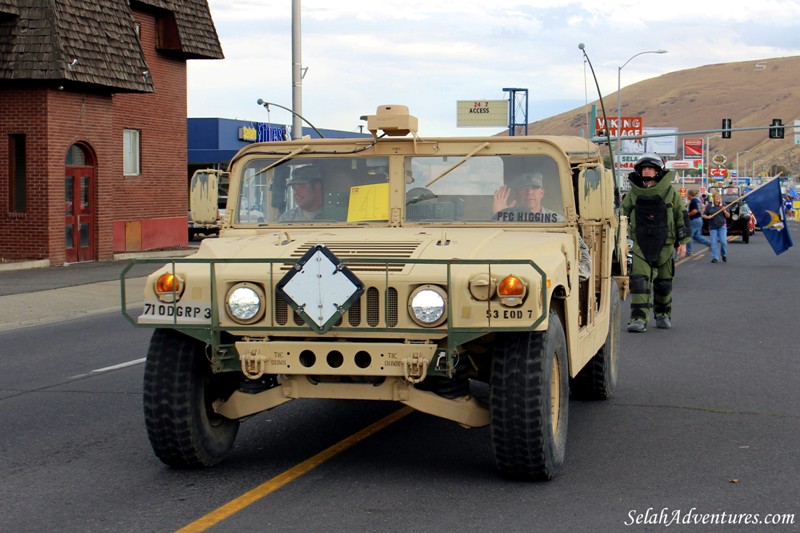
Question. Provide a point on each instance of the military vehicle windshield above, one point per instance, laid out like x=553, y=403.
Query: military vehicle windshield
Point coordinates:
x=438, y=189
x=483, y=189
x=322, y=190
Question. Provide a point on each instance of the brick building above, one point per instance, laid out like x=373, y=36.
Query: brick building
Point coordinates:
x=93, y=142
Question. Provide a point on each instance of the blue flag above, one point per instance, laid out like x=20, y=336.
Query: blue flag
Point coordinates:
x=767, y=206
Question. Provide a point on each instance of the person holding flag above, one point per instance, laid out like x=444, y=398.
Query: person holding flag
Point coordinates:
x=766, y=205
x=717, y=227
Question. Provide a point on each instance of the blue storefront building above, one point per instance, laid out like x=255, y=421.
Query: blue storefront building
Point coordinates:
x=212, y=142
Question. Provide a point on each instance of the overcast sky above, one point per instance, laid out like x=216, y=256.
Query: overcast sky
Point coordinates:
x=430, y=54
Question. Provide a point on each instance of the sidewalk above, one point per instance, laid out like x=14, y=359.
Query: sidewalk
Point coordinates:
x=35, y=296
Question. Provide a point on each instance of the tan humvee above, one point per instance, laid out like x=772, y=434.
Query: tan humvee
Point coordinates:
x=402, y=268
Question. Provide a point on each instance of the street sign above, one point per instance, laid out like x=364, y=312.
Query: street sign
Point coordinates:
x=661, y=144
x=693, y=148
x=631, y=126
x=683, y=164
x=718, y=172
x=481, y=113
x=797, y=132
x=625, y=162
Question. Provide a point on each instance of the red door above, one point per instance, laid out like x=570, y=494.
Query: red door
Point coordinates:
x=79, y=214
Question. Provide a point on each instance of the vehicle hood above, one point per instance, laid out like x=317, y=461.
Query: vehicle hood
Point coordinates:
x=446, y=243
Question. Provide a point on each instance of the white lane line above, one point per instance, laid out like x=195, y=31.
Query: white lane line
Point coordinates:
x=121, y=365
x=109, y=368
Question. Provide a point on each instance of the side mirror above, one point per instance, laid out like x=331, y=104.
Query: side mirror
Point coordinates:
x=204, y=196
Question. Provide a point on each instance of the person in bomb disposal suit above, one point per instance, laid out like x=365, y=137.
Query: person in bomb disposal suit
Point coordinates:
x=659, y=226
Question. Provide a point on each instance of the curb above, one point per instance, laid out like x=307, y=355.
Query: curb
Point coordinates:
x=161, y=253
x=24, y=265
x=45, y=263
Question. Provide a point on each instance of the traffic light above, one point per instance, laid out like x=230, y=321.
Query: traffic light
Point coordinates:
x=726, y=128
x=776, y=130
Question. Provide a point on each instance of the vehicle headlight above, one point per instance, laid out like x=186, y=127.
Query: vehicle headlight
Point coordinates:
x=245, y=303
x=427, y=305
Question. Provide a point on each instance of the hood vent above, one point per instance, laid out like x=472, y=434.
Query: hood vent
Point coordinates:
x=365, y=250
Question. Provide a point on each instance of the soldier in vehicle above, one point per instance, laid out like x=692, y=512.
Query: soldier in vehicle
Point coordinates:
x=659, y=227
x=306, y=184
x=521, y=201
x=526, y=206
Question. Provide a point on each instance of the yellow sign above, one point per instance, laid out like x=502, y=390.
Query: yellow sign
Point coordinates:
x=247, y=134
x=368, y=202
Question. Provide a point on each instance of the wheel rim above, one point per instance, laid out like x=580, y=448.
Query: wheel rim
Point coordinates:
x=555, y=395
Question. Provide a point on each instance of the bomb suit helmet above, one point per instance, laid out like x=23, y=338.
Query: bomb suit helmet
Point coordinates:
x=650, y=160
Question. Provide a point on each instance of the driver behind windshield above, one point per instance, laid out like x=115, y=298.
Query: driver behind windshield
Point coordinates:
x=306, y=185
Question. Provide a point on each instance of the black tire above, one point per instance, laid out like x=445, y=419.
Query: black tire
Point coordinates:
x=746, y=235
x=529, y=402
x=179, y=389
x=598, y=379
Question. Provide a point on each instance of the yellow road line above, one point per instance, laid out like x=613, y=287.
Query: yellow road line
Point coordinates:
x=234, y=506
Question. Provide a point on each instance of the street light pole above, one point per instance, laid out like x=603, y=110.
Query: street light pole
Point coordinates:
x=707, y=164
x=297, y=72
x=737, y=161
x=619, y=95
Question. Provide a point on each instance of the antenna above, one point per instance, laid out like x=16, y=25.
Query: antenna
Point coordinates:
x=582, y=48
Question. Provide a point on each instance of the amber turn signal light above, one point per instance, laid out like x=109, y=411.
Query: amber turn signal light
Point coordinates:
x=511, y=286
x=168, y=286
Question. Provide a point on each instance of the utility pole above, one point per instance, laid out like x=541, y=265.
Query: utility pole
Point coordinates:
x=297, y=72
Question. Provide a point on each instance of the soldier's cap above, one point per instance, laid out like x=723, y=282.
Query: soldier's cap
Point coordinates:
x=305, y=174
x=526, y=179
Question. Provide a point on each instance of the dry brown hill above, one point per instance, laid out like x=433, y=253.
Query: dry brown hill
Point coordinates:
x=750, y=93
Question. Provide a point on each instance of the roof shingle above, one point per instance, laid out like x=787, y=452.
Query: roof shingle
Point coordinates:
x=94, y=42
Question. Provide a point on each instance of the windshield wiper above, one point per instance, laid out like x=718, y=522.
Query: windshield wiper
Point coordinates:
x=282, y=160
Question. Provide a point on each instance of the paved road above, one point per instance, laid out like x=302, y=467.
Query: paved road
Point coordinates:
x=705, y=420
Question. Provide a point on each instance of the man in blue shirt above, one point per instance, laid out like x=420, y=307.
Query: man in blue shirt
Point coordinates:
x=695, y=221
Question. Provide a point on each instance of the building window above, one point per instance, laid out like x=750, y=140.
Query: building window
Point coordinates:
x=76, y=157
x=131, y=152
x=17, y=172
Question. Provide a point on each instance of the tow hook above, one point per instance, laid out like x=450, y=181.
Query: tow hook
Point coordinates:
x=415, y=368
